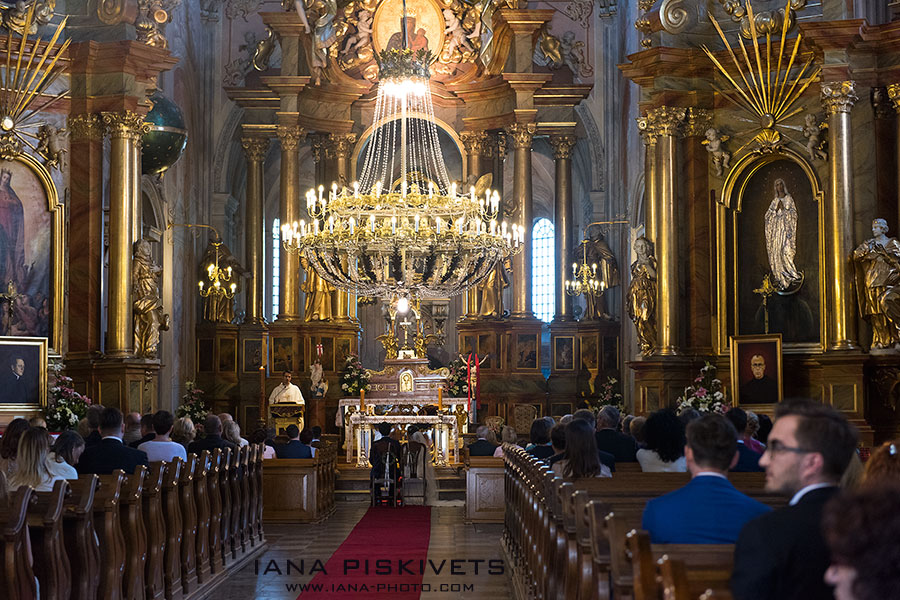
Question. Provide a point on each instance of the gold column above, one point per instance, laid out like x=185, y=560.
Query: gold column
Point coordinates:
x=668, y=121
x=838, y=98
x=474, y=143
x=498, y=157
x=255, y=149
x=894, y=94
x=342, y=143
x=522, y=135
x=562, y=154
x=289, y=136
x=125, y=130
x=650, y=137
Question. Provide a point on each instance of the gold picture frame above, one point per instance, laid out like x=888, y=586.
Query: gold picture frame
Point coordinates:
x=752, y=358
x=24, y=389
x=564, y=353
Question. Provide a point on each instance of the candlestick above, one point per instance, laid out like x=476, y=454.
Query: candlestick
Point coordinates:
x=362, y=401
x=440, y=398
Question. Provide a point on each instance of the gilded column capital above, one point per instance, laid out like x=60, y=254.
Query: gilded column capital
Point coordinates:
x=839, y=96
x=125, y=124
x=893, y=91
x=667, y=120
x=521, y=134
x=647, y=127
x=697, y=121
x=882, y=104
x=255, y=148
x=499, y=145
x=342, y=144
x=290, y=136
x=85, y=127
x=562, y=146
x=475, y=142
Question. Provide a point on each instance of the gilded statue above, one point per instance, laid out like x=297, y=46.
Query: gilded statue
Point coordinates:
x=15, y=16
x=492, y=290
x=318, y=295
x=877, y=268
x=812, y=131
x=50, y=146
x=262, y=51
x=714, y=143
x=600, y=254
x=217, y=308
x=391, y=346
x=149, y=318
x=642, y=294
x=358, y=45
x=781, y=237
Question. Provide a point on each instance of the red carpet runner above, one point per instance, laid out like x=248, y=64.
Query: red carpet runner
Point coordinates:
x=398, y=538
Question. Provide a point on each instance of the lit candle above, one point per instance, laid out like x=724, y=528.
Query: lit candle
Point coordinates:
x=331, y=224
x=233, y=287
x=574, y=270
x=417, y=222
x=503, y=228
x=362, y=401
x=321, y=191
x=200, y=283
x=333, y=191
x=472, y=193
x=228, y=270
x=377, y=189
x=352, y=225
x=493, y=226
x=303, y=227
x=453, y=189
x=309, y=200
x=393, y=225
x=430, y=189
x=356, y=189
x=316, y=226
x=372, y=222
x=440, y=398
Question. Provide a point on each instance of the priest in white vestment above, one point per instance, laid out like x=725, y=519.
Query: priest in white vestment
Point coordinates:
x=286, y=392
x=781, y=237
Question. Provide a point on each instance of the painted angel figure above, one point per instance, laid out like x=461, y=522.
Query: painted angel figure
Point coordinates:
x=781, y=237
x=455, y=34
x=812, y=131
x=363, y=36
x=714, y=143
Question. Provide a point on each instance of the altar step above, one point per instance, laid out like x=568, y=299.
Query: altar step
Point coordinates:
x=352, y=483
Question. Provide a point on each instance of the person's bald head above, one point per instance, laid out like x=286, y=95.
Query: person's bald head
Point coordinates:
x=212, y=425
x=132, y=421
x=223, y=417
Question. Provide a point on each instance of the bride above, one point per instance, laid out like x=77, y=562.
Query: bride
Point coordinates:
x=431, y=489
x=781, y=237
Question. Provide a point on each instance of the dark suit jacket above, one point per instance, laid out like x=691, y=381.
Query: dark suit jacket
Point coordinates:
x=376, y=458
x=210, y=442
x=146, y=438
x=621, y=446
x=782, y=555
x=293, y=449
x=482, y=448
x=760, y=391
x=542, y=452
x=748, y=460
x=107, y=456
x=605, y=457
x=12, y=389
x=708, y=510
x=92, y=439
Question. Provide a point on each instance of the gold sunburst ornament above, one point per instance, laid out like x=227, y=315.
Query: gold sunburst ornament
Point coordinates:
x=770, y=103
x=31, y=66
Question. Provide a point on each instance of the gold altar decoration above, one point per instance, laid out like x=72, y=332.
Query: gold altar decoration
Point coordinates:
x=149, y=318
x=769, y=103
x=287, y=414
x=584, y=278
x=420, y=238
x=642, y=294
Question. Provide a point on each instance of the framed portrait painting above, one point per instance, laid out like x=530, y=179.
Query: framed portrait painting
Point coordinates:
x=252, y=355
x=756, y=377
x=526, y=351
x=564, y=353
x=282, y=355
x=23, y=372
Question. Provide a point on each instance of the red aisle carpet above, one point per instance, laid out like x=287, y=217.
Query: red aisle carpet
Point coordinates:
x=398, y=537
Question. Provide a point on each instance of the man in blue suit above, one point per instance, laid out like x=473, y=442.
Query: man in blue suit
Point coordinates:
x=708, y=510
x=294, y=448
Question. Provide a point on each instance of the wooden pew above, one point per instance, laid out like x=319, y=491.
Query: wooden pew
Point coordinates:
x=679, y=582
x=291, y=488
x=225, y=492
x=82, y=546
x=154, y=525
x=109, y=531
x=709, y=565
x=188, y=526
x=171, y=500
x=45, y=524
x=258, y=475
x=246, y=529
x=201, y=501
x=133, y=532
x=484, y=490
x=252, y=492
x=237, y=533
x=17, y=580
x=216, y=559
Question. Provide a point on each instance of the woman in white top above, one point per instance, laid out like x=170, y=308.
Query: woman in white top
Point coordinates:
x=581, y=457
x=64, y=454
x=664, y=453
x=32, y=466
x=161, y=447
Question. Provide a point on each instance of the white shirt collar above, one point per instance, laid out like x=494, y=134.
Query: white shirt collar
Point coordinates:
x=710, y=474
x=806, y=490
x=112, y=437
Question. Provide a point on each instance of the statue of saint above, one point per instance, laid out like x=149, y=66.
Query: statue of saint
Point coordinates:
x=642, y=294
x=149, y=318
x=318, y=295
x=599, y=253
x=492, y=290
x=877, y=265
x=781, y=237
x=318, y=384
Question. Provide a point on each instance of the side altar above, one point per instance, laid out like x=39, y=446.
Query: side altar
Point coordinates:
x=404, y=392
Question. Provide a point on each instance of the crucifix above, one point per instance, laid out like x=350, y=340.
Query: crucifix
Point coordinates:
x=10, y=296
x=766, y=290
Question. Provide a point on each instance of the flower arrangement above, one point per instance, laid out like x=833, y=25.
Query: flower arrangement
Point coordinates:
x=609, y=394
x=65, y=406
x=457, y=385
x=354, y=377
x=704, y=395
x=192, y=404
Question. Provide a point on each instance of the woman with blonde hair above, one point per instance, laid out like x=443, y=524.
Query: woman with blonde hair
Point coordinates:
x=231, y=431
x=31, y=462
x=507, y=436
x=183, y=431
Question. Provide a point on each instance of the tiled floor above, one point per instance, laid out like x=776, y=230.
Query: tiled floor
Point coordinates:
x=455, y=551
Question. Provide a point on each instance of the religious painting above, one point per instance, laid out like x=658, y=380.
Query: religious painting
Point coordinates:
x=778, y=239
x=327, y=353
x=282, y=355
x=342, y=351
x=610, y=353
x=23, y=372
x=487, y=348
x=756, y=376
x=252, y=356
x=564, y=353
x=206, y=355
x=467, y=344
x=589, y=353
x=526, y=351
x=27, y=202
x=227, y=355
x=424, y=24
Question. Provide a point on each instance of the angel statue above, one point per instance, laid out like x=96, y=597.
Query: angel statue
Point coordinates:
x=812, y=131
x=50, y=146
x=149, y=318
x=455, y=34
x=642, y=294
x=714, y=145
x=362, y=38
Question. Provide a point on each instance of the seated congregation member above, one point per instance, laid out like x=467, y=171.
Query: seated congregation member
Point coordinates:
x=317, y=433
x=93, y=436
x=260, y=437
x=482, y=446
x=32, y=466
x=621, y=446
x=231, y=431
x=637, y=429
x=588, y=417
x=37, y=422
x=580, y=460
x=147, y=431
x=111, y=454
x=9, y=445
x=65, y=453
x=749, y=436
x=294, y=448
x=132, y=428
x=708, y=510
x=380, y=449
x=507, y=436
x=183, y=431
x=558, y=442
x=748, y=460
x=862, y=529
x=883, y=465
x=782, y=555
x=162, y=447
x=540, y=438
x=306, y=437
x=212, y=438
x=665, y=444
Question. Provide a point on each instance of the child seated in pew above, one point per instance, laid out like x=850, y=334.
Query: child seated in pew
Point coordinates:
x=708, y=510
x=580, y=458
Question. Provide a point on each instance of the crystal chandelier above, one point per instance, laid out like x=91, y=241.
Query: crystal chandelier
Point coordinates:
x=404, y=230
x=584, y=278
x=218, y=278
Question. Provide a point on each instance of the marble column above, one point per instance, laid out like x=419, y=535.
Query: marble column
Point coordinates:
x=255, y=149
x=125, y=130
x=474, y=143
x=893, y=91
x=342, y=145
x=522, y=135
x=668, y=121
x=838, y=99
x=289, y=271
x=563, y=215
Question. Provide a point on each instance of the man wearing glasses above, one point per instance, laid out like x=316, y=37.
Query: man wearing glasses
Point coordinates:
x=782, y=555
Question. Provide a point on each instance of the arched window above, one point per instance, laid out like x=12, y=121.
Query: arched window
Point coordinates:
x=543, y=272
x=276, y=265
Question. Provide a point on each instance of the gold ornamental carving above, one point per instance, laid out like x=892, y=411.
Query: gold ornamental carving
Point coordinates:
x=475, y=142
x=649, y=134
x=111, y=12
x=342, y=144
x=839, y=96
x=562, y=146
x=521, y=134
x=85, y=127
x=127, y=124
x=255, y=148
x=697, y=122
x=893, y=92
x=10, y=146
x=667, y=120
x=290, y=136
x=641, y=297
x=19, y=16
